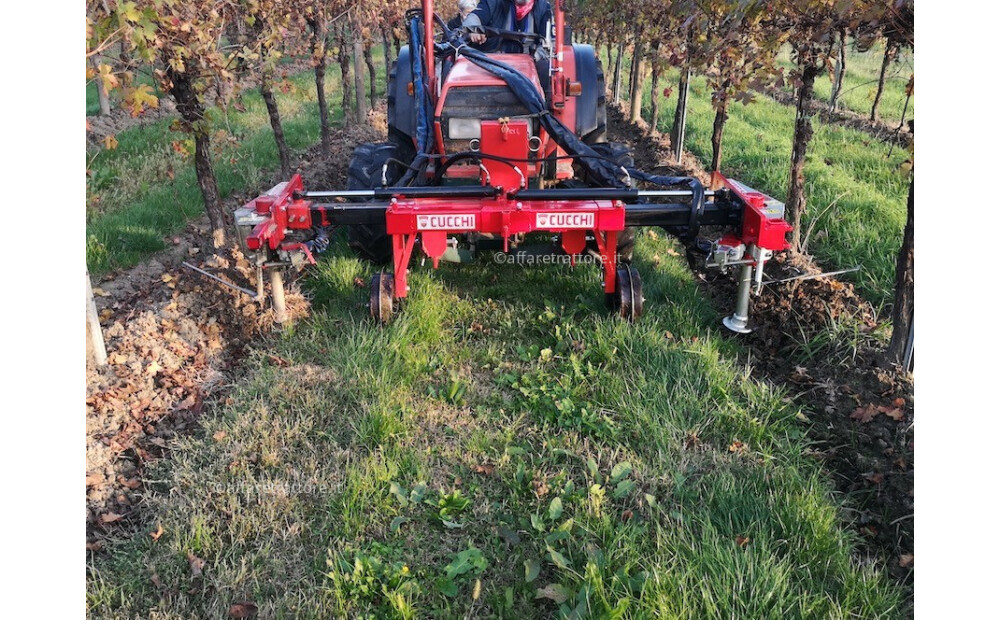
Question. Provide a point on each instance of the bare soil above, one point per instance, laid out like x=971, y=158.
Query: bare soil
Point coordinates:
x=859, y=407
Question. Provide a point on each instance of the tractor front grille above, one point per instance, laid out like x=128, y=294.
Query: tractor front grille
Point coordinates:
x=479, y=102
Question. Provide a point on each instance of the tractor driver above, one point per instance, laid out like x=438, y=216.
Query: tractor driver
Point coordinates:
x=528, y=16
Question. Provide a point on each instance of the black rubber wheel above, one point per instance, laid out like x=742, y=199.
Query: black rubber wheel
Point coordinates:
x=396, y=135
x=600, y=134
x=628, y=300
x=366, y=172
x=381, y=302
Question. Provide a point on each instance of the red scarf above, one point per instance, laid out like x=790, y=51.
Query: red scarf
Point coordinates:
x=522, y=11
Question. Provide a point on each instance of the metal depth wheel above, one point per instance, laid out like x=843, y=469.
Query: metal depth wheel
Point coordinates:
x=381, y=301
x=628, y=297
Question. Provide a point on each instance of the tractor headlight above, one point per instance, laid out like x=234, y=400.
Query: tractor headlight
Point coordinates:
x=464, y=128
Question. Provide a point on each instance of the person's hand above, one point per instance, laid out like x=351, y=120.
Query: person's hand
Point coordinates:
x=477, y=37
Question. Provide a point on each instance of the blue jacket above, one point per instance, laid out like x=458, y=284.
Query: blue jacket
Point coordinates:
x=500, y=14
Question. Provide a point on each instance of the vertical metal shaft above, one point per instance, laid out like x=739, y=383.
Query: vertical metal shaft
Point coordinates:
x=739, y=319
x=278, y=295
x=908, y=351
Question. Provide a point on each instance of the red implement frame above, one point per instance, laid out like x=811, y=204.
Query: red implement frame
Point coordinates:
x=433, y=219
x=760, y=227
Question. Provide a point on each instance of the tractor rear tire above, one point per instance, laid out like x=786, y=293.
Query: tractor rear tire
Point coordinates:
x=622, y=155
x=600, y=134
x=370, y=241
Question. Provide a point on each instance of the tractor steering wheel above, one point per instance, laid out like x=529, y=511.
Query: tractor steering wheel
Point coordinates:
x=511, y=35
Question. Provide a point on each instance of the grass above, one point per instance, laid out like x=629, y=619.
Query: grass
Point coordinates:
x=145, y=190
x=861, y=82
x=498, y=453
x=844, y=166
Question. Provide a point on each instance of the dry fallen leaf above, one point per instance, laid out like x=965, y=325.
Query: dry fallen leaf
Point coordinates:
x=159, y=532
x=899, y=402
x=196, y=564
x=906, y=560
x=100, y=292
x=742, y=541
x=153, y=368
x=484, y=469
x=94, y=546
x=800, y=375
x=896, y=413
x=242, y=610
x=737, y=446
x=110, y=517
x=864, y=414
x=105, y=314
x=219, y=435
x=278, y=361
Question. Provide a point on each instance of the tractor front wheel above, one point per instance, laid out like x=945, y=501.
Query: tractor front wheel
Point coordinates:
x=621, y=154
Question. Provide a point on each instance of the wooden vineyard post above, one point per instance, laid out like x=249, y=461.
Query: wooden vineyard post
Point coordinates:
x=95, y=338
x=682, y=99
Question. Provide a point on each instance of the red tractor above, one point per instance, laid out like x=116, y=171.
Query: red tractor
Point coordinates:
x=489, y=148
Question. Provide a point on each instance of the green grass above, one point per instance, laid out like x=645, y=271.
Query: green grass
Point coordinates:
x=134, y=205
x=865, y=225
x=502, y=436
x=861, y=82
